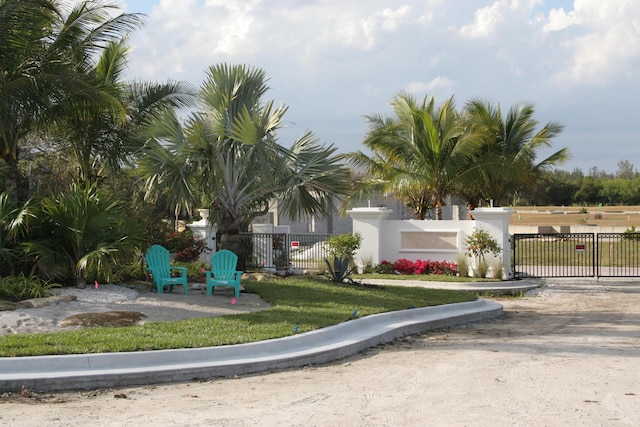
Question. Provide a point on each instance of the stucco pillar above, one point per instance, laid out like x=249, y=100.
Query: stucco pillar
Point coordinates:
x=368, y=222
x=495, y=221
x=206, y=231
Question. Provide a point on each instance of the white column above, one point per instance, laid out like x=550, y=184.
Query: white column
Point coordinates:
x=368, y=222
x=206, y=231
x=495, y=221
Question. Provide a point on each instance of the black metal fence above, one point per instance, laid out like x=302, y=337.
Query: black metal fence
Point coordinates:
x=576, y=255
x=618, y=254
x=284, y=250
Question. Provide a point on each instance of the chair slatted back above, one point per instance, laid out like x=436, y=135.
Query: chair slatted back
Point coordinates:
x=223, y=264
x=159, y=260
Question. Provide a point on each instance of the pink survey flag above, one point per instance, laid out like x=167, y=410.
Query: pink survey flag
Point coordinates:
x=233, y=300
x=97, y=285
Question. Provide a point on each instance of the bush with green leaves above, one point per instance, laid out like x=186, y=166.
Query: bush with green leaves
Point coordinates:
x=185, y=246
x=21, y=287
x=82, y=235
x=13, y=224
x=479, y=244
x=342, y=249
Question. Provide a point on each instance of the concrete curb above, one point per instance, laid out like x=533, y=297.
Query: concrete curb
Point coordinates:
x=103, y=370
x=499, y=287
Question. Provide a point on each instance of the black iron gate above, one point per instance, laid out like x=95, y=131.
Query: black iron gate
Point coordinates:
x=298, y=251
x=576, y=255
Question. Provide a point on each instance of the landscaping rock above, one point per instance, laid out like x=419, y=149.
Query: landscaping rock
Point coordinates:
x=43, y=302
x=8, y=305
x=108, y=319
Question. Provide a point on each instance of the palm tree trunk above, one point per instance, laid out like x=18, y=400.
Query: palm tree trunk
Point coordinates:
x=232, y=241
x=12, y=177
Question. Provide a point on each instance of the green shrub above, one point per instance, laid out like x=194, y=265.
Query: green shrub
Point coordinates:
x=463, y=265
x=482, y=268
x=81, y=235
x=342, y=249
x=385, y=267
x=185, y=245
x=21, y=287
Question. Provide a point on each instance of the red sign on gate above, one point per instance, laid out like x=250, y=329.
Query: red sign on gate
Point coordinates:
x=581, y=248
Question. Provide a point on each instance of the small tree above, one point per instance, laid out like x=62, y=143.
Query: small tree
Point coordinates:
x=342, y=249
x=479, y=244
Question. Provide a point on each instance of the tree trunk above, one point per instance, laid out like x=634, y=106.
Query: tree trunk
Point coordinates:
x=12, y=177
x=232, y=241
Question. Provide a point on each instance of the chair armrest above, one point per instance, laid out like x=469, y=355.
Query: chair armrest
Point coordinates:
x=182, y=270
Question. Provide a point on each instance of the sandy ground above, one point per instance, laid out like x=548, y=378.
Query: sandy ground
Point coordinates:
x=567, y=356
x=165, y=306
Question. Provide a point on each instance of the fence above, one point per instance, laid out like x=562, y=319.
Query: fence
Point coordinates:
x=576, y=255
x=284, y=250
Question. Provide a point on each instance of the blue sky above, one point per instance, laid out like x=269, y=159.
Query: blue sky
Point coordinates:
x=333, y=62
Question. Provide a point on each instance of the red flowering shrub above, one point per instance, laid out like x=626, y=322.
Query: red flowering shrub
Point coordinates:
x=405, y=266
x=185, y=245
x=385, y=267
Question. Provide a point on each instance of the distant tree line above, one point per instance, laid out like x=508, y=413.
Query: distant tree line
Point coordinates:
x=559, y=187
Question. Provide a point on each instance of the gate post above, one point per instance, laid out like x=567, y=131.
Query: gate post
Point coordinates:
x=368, y=222
x=205, y=231
x=495, y=221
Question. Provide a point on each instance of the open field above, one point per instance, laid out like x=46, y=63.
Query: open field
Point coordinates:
x=617, y=216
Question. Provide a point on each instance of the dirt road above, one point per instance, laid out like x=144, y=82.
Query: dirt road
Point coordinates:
x=569, y=355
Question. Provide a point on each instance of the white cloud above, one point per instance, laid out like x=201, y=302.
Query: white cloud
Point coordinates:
x=607, y=42
x=487, y=19
x=437, y=83
x=335, y=61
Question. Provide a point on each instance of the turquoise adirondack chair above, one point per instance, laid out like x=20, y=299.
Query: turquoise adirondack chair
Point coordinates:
x=158, y=264
x=223, y=264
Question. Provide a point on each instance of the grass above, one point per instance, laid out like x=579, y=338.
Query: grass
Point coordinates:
x=306, y=303
x=622, y=216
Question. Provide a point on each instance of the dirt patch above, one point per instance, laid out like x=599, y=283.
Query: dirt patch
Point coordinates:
x=107, y=318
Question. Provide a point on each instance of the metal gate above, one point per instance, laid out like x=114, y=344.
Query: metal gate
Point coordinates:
x=576, y=255
x=304, y=251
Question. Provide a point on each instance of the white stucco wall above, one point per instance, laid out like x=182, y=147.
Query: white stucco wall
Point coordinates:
x=391, y=240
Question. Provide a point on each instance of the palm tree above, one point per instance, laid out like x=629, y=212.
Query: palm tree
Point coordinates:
x=45, y=57
x=226, y=156
x=102, y=135
x=420, y=155
x=515, y=145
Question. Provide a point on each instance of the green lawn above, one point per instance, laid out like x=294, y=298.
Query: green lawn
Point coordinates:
x=303, y=302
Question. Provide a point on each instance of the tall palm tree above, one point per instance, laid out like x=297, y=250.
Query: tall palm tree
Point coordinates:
x=46, y=48
x=227, y=156
x=102, y=134
x=420, y=155
x=515, y=145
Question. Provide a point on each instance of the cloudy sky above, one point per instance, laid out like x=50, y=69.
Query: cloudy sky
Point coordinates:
x=335, y=61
